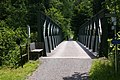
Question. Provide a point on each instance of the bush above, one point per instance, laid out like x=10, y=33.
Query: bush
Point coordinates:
x=33, y=37
x=9, y=50
x=103, y=69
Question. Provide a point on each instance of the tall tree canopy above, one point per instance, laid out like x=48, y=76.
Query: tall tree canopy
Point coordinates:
x=97, y=5
x=82, y=11
x=61, y=11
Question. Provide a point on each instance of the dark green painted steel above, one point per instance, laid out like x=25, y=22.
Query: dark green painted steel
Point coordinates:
x=48, y=32
x=94, y=34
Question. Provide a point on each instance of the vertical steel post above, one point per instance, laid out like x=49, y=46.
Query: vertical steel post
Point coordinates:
x=28, y=27
x=21, y=63
x=115, y=31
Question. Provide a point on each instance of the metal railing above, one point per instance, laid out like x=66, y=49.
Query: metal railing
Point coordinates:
x=49, y=32
x=94, y=34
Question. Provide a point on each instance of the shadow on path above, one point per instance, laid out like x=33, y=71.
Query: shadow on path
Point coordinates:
x=77, y=76
x=87, y=51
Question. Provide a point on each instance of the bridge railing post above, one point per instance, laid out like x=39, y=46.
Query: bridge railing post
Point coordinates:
x=104, y=44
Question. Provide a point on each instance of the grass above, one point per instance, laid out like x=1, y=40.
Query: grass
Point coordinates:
x=19, y=73
x=102, y=69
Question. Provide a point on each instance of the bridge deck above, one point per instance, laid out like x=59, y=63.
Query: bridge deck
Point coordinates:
x=70, y=49
x=68, y=61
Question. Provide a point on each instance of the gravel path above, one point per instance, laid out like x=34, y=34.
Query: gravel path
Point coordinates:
x=67, y=62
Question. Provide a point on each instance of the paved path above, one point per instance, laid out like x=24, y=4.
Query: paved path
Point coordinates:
x=67, y=62
x=68, y=49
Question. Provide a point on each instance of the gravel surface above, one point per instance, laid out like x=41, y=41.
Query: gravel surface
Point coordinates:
x=67, y=62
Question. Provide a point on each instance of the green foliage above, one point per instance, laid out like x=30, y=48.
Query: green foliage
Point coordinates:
x=113, y=5
x=33, y=37
x=103, y=69
x=15, y=16
x=19, y=73
x=85, y=7
x=97, y=6
x=9, y=49
x=67, y=9
x=7, y=43
x=14, y=13
x=61, y=12
x=56, y=15
x=82, y=11
x=56, y=4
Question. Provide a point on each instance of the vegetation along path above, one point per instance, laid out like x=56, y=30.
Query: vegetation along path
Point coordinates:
x=69, y=61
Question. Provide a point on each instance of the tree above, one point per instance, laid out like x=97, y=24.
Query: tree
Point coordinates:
x=97, y=5
x=61, y=12
x=15, y=15
x=82, y=11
